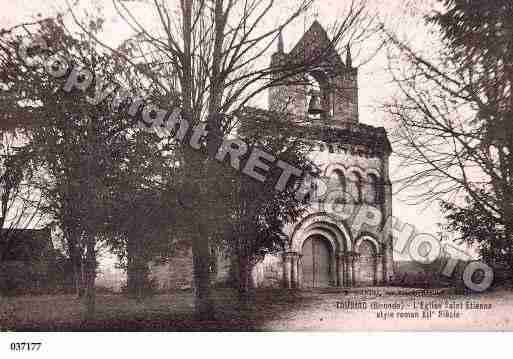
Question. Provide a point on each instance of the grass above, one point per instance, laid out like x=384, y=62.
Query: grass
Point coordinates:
x=267, y=310
x=173, y=312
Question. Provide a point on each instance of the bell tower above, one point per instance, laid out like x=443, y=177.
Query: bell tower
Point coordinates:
x=327, y=89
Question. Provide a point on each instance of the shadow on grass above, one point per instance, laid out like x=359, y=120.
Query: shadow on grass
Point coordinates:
x=169, y=312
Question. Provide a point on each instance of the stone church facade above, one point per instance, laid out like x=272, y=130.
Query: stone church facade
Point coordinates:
x=324, y=250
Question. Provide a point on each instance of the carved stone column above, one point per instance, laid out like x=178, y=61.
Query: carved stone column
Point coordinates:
x=295, y=280
x=380, y=269
x=299, y=272
x=388, y=264
x=287, y=270
x=350, y=269
x=384, y=264
x=341, y=269
x=353, y=271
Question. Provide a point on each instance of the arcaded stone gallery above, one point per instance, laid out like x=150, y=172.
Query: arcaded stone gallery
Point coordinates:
x=323, y=250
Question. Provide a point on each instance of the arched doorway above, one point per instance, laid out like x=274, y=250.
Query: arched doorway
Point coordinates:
x=316, y=256
x=366, y=264
x=316, y=263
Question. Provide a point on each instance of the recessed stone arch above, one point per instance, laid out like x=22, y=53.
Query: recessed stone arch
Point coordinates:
x=356, y=169
x=372, y=192
x=336, y=179
x=368, y=237
x=368, y=269
x=315, y=231
x=335, y=230
x=330, y=169
x=374, y=184
x=355, y=182
x=373, y=171
x=327, y=234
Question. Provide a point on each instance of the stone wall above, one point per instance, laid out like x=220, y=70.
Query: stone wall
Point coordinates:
x=269, y=272
x=177, y=274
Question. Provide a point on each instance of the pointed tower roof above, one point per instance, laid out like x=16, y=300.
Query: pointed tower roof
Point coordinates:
x=281, y=43
x=316, y=42
x=349, y=59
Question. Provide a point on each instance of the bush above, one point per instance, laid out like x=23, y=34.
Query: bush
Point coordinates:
x=17, y=278
x=38, y=277
x=150, y=287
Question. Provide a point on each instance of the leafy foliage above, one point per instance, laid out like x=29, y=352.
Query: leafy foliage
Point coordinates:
x=478, y=230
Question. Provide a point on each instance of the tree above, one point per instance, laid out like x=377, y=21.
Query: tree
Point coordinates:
x=454, y=114
x=208, y=54
x=478, y=230
x=81, y=152
x=257, y=212
x=144, y=227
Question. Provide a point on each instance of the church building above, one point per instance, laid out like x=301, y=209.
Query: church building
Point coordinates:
x=324, y=250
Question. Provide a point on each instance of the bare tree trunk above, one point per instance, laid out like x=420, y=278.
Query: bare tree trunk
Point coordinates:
x=200, y=239
x=509, y=241
x=75, y=254
x=245, y=295
x=140, y=282
x=78, y=278
x=131, y=271
x=77, y=264
x=137, y=267
x=141, y=278
x=244, y=277
x=90, y=277
x=201, y=260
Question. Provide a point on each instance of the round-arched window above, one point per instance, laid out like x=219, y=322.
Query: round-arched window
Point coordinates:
x=337, y=183
x=372, y=190
x=356, y=186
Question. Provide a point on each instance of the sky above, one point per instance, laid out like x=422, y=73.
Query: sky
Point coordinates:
x=375, y=87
